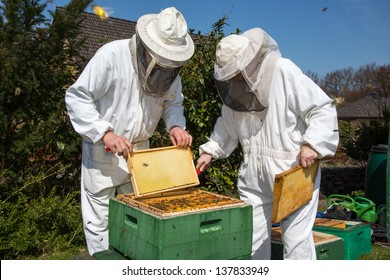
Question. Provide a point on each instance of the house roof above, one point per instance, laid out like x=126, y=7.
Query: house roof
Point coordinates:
x=99, y=32
x=367, y=107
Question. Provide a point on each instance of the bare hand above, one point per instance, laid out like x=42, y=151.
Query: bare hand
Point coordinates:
x=180, y=138
x=203, y=162
x=118, y=144
x=307, y=156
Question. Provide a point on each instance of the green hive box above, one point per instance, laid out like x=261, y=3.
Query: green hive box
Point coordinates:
x=356, y=236
x=328, y=247
x=139, y=232
x=167, y=219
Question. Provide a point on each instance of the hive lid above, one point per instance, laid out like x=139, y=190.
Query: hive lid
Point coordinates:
x=160, y=170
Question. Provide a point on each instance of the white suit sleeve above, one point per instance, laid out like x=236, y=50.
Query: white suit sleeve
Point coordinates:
x=318, y=112
x=173, y=112
x=91, y=85
x=224, y=139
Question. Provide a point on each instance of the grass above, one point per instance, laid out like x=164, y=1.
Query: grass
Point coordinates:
x=60, y=255
x=379, y=252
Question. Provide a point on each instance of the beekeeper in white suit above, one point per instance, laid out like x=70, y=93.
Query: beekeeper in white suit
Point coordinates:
x=281, y=119
x=116, y=104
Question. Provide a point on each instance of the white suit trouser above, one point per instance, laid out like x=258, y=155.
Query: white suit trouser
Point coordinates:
x=297, y=237
x=95, y=216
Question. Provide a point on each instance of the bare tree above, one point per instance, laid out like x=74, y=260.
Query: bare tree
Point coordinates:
x=339, y=83
x=365, y=79
x=314, y=76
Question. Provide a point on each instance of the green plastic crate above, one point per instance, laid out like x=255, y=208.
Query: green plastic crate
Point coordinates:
x=328, y=247
x=356, y=236
x=225, y=233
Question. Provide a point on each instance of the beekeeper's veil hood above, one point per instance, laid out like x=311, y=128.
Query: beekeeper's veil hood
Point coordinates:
x=254, y=54
x=165, y=36
x=163, y=46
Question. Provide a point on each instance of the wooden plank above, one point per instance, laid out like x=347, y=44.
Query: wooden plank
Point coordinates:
x=330, y=223
x=319, y=237
x=161, y=169
x=293, y=189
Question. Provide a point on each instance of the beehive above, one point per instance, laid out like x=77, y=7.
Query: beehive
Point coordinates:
x=328, y=247
x=356, y=235
x=174, y=220
x=179, y=203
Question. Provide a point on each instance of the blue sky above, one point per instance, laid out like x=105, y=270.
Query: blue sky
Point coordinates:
x=351, y=33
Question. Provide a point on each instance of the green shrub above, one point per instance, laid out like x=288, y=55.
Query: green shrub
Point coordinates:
x=33, y=227
x=358, y=142
x=39, y=210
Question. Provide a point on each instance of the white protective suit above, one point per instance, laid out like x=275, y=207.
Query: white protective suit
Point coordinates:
x=108, y=96
x=297, y=112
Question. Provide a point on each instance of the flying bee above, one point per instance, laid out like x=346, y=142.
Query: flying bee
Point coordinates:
x=102, y=12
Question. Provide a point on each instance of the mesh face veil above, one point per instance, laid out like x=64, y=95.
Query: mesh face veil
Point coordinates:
x=237, y=94
x=253, y=62
x=162, y=47
x=155, y=77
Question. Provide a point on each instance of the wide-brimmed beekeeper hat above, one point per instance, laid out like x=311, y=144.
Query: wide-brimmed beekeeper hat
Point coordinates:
x=165, y=35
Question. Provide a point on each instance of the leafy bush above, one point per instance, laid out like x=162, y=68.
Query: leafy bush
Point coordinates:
x=346, y=132
x=358, y=142
x=40, y=210
x=39, y=150
x=33, y=227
